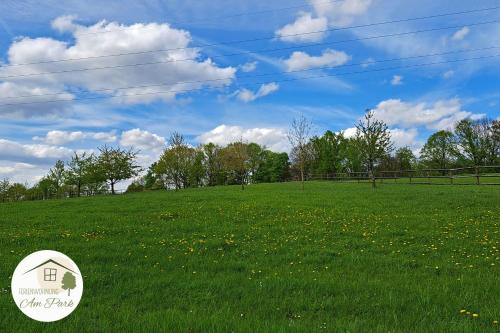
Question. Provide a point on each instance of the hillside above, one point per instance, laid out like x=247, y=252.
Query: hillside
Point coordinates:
x=271, y=258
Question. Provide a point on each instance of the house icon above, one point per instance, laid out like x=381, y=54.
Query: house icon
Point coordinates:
x=50, y=270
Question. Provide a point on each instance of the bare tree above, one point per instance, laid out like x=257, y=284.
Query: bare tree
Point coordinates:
x=374, y=141
x=298, y=136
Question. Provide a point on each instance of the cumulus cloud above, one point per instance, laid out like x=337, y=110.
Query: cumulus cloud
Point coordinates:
x=300, y=30
x=249, y=67
x=397, y=80
x=442, y=114
x=142, y=140
x=246, y=95
x=21, y=172
x=163, y=81
x=27, y=153
x=63, y=137
x=301, y=60
x=274, y=139
x=461, y=34
x=341, y=13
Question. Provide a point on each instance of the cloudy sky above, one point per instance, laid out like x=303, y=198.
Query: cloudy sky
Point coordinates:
x=75, y=75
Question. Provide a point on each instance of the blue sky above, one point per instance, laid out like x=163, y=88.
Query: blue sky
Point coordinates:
x=253, y=95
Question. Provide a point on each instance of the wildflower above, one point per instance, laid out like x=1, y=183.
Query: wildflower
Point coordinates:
x=475, y=315
x=463, y=311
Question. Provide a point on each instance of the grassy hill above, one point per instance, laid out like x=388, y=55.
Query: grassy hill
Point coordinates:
x=334, y=258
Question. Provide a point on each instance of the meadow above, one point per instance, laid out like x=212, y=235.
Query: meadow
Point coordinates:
x=272, y=258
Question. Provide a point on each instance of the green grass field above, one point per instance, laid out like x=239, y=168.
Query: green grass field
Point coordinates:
x=334, y=258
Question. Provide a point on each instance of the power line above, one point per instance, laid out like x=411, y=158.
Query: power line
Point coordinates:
x=265, y=74
x=264, y=38
x=257, y=83
x=246, y=52
x=217, y=18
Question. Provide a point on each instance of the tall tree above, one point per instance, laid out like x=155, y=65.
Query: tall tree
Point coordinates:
x=474, y=139
x=439, y=151
x=4, y=188
x=374, y=141
x=213, y=164
x=235, y=159
x=329, y=152
x=57, y=176
x=79, y=171
x=298, y=136
x=494, y=154
x=115, y=165
x=176, y=162
x=405, y=158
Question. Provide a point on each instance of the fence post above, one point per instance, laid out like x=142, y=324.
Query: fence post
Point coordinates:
x=477, y=175
x=451, y=177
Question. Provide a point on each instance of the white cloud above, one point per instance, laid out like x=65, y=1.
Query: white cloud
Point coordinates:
x=246, y=95
x=448, y=74
x=15, y=151
x=249, y=67
x=300, y=30
x=341, y=13
x=442, y=114
x=89, y=41
x=350, y=132
x=143, y=140
x=461, y=34
x=21, y=172
x=63, y=137
x=274, y=139
x=397, y=80
x=404, y=137
x=301, y=60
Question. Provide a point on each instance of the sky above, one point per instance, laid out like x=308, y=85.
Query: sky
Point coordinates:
x=77, y=75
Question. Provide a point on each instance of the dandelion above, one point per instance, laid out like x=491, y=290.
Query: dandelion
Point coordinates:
x=463, y=311
x=475, y=315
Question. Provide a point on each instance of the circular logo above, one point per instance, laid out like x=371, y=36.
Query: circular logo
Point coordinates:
x=47, y=286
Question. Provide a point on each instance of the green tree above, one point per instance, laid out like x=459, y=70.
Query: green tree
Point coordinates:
x=439, y=151
x=17, y=192
x=213, y=164
x=57, y=177
x=79, y=171
x=255, y=160
x=405, y=158
x=235, y=159
x=474, y=139
x=4, y=188
x=275, y=167
x=353, y=161
x=115, y=165
x=374, y=141
x=329, y=153
x=68, y=282
x=175, y=164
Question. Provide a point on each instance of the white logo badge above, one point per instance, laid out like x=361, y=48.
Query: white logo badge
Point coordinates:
x=47, y=286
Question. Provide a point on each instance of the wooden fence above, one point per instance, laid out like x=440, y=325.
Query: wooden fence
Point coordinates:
x=477, y=175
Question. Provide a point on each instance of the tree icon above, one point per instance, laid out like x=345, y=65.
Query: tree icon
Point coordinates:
x=68, y=282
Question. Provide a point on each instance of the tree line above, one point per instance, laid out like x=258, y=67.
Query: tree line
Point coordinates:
x=181, y=165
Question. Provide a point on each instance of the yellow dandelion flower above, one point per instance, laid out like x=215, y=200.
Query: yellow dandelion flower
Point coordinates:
x=475, y=315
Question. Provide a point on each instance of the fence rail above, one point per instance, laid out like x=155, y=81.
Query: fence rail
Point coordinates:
x=478, y=175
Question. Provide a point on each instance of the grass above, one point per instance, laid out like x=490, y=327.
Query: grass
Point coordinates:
x=334, y=258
